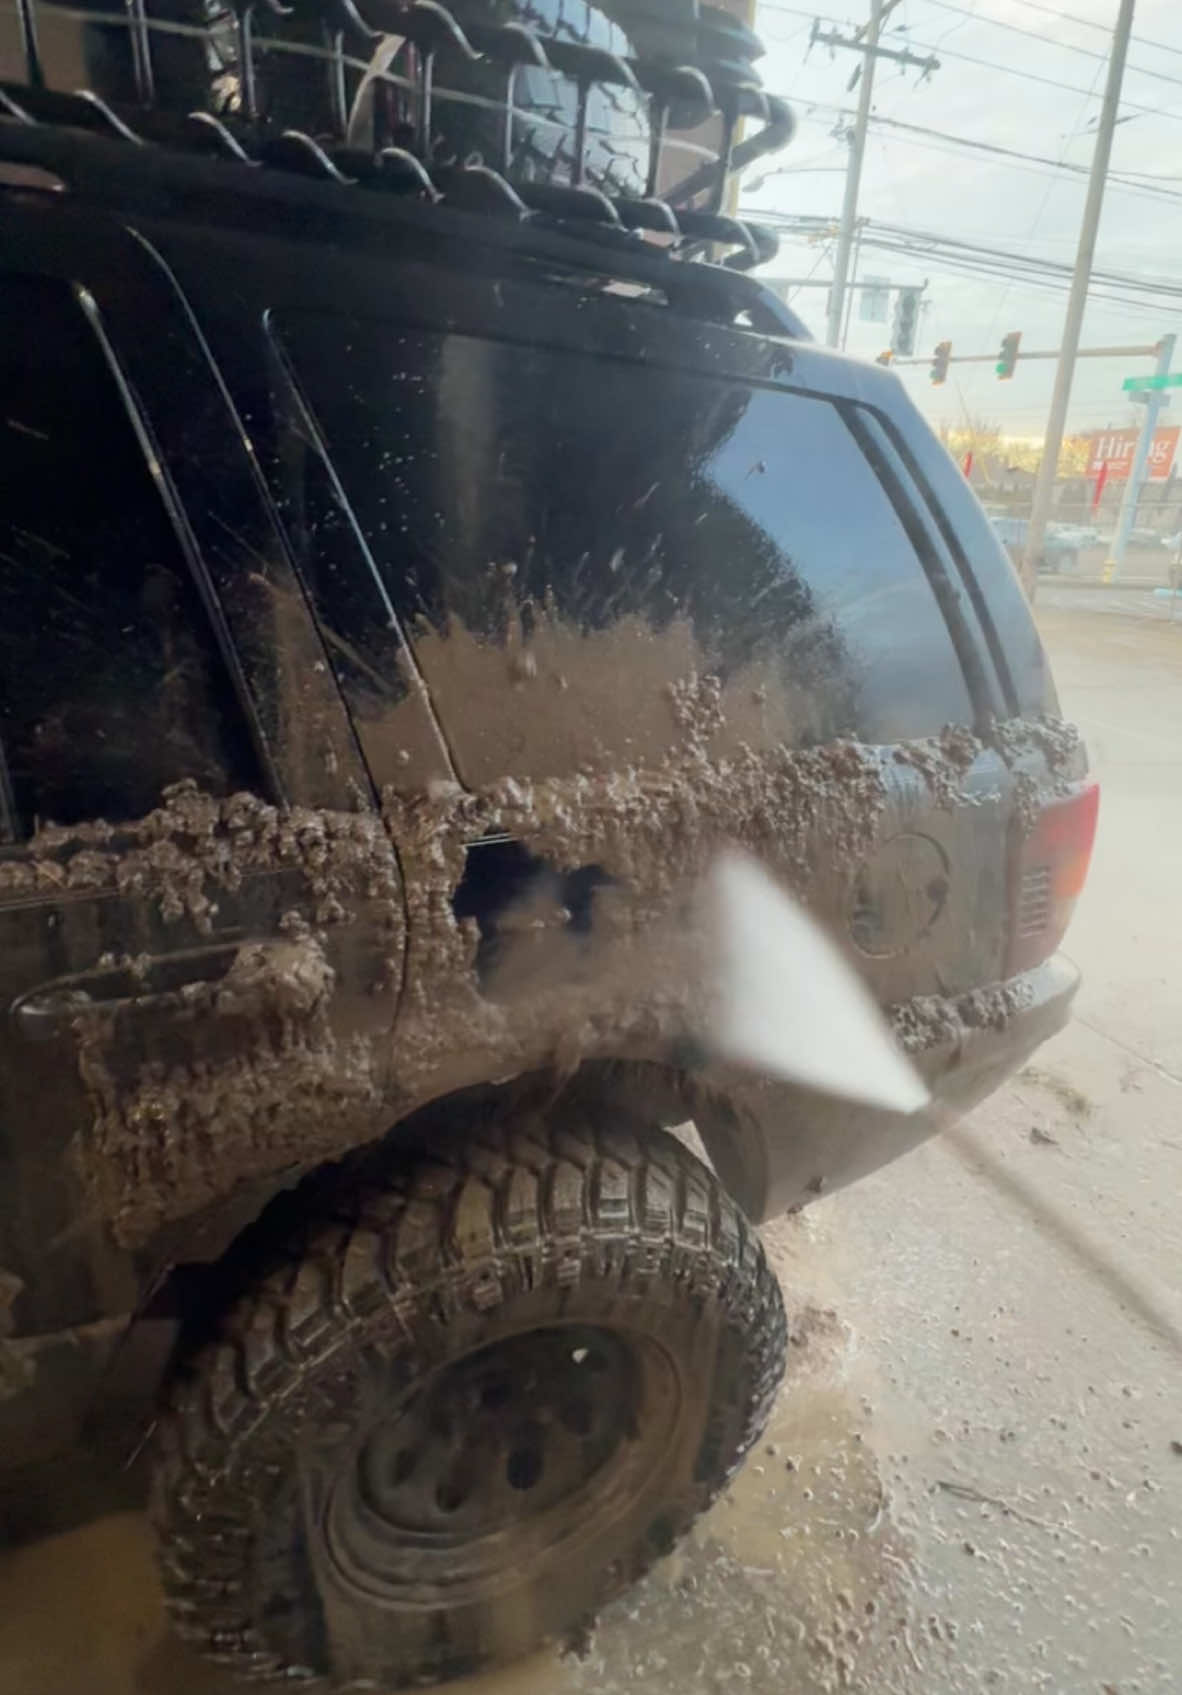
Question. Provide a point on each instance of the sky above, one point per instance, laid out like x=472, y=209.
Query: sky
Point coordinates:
x=921, y=182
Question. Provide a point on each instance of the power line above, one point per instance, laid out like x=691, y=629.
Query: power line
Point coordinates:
x=988, y=18
x=1052, y=82
x=1133, y=108
x=820, y=260
x=1116, y=287
x=866, y=44
x=1150, y=176
x=956, y=146
x=1131, y=182
x=1093, y=23
x=1040, y=35
x=813, y=224
x=1112, y=288
x=975, y=271
x=1038, y=164
x=1008, y=285
x=1027, y=262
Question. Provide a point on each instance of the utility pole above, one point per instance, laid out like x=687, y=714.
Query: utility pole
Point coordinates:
x=1128, y=506
x=850, y=287
x=1077, y=300
x=866, y=43
x=853, y=179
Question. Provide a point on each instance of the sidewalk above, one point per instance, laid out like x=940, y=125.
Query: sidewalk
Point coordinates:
x=1124, y=598
x=1122, y=580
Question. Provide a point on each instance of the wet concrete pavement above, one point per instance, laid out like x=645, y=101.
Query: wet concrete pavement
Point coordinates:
x=1120, y=599
x=973, y=1477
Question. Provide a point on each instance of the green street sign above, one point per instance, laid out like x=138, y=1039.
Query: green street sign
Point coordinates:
x=1133, y=383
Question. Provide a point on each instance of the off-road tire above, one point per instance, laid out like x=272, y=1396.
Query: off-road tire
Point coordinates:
x=543, y=151
x=509, y=1237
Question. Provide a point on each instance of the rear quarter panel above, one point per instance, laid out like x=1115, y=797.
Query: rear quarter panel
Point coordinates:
x=659, y=597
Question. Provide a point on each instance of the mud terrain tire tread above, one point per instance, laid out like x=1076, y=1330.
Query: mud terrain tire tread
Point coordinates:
x=452, y=1228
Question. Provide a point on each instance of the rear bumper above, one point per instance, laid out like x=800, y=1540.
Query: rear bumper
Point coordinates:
x=961, y=1068
x=778, y=1146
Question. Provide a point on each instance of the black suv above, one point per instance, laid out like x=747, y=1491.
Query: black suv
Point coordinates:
x=412, y=569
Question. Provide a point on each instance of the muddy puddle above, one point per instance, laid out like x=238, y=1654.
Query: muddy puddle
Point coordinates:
x=797, y=1580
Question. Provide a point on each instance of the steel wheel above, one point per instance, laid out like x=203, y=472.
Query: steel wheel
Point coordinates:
x=467, y=1410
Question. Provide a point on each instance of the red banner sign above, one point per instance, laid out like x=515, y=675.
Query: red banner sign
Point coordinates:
x=1112, y=451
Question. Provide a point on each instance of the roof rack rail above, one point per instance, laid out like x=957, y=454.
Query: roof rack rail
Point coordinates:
x=396, y=150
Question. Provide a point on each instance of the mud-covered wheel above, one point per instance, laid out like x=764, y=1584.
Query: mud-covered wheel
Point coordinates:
x=470, y=1405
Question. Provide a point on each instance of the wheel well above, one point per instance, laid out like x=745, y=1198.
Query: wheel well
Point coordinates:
x=659, y=1095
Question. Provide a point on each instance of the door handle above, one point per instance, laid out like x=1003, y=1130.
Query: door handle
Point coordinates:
x=41, y=1017
x=50, y=1010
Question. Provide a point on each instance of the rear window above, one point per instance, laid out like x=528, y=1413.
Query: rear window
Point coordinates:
x=483, y=472
x=111, y=682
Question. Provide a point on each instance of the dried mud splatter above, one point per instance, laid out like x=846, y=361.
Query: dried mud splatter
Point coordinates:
x=270, y=1087
x=272, y=1069
x=810, y=815
x=1056, y=739
x=549, y=698
x=928, y=1021
x=193, y=845
x=256, y=1070
x=942, y=761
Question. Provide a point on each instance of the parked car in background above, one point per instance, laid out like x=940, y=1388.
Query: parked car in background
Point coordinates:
x=1062, y=543
x=1077, y=536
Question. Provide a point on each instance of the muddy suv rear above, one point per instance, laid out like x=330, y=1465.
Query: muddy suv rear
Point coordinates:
x=412, y=578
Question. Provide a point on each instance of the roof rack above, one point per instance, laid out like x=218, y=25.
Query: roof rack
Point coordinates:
x=414, y=70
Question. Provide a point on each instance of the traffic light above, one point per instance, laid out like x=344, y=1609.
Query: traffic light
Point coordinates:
x=1008, y=357
x=940, y=357
x=906, y=320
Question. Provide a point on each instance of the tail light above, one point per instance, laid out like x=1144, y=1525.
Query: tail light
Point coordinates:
x=1049, y=867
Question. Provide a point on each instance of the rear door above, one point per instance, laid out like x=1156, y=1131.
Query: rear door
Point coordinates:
x=201, y=916
x=609, y=537
x=578, y=541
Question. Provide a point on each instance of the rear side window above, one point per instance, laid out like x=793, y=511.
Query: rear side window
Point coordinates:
x=485, y=473
x=111, y=683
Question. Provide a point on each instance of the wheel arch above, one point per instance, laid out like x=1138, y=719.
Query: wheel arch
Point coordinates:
x=212, y=1255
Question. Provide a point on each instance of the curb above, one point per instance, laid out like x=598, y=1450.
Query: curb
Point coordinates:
x=1060, y=579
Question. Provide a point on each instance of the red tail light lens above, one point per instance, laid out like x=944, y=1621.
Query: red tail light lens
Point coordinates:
x=1049, y=867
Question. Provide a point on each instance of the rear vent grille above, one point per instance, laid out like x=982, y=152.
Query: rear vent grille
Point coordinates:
x=1034, y=901
x=1047, y=873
